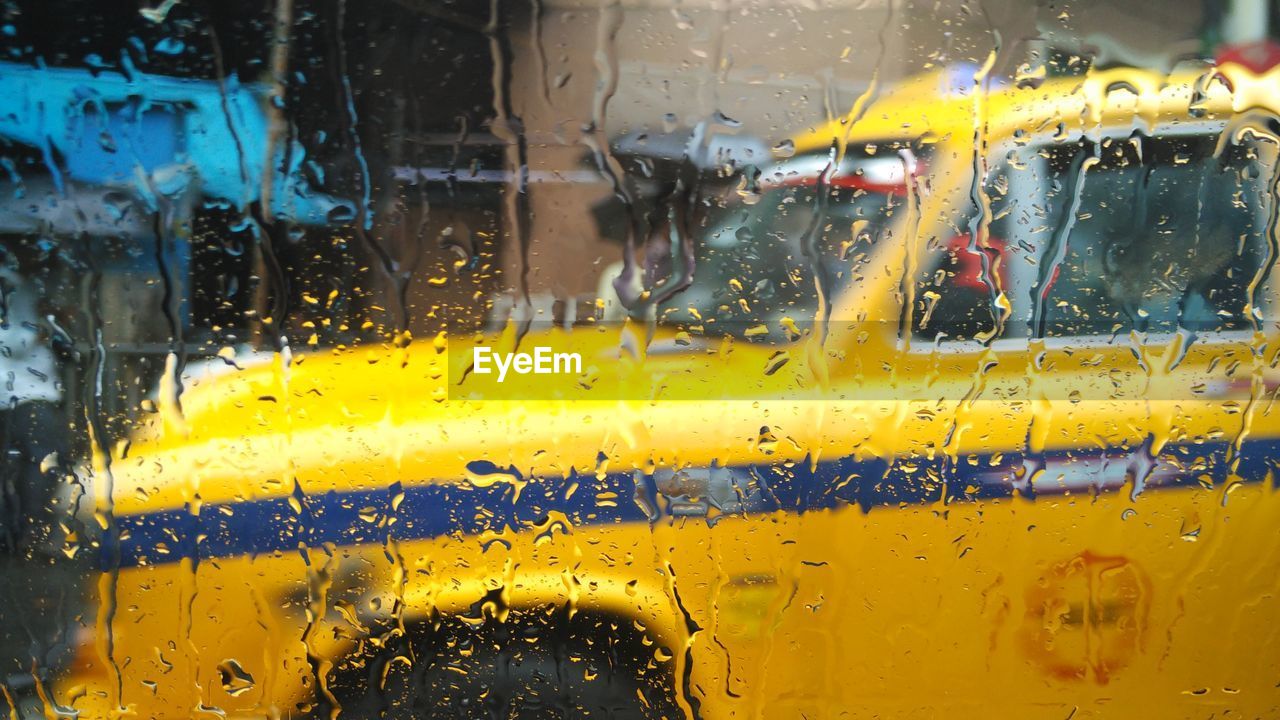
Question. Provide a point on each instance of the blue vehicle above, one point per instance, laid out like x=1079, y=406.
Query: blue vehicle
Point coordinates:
x=150, y=136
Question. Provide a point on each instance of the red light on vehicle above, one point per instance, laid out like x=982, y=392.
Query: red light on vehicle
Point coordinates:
x=967, y=263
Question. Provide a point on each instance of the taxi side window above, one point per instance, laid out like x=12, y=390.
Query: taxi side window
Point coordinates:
x=954, y=293
x=1145, y=234
x=962, y=276
x=1097, y=238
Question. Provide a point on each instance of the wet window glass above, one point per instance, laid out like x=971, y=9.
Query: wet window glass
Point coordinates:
x=697, y=359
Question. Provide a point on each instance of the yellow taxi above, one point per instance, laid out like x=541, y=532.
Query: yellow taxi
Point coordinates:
x=968, y=411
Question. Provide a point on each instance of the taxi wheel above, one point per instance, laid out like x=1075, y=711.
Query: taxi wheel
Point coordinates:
x=522, y=671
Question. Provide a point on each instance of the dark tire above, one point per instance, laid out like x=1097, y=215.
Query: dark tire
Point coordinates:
x=533, y=668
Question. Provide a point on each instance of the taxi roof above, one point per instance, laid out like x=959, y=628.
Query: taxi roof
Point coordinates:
x=934, y=107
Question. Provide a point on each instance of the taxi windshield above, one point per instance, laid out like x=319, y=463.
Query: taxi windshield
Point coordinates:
x=770, y=254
